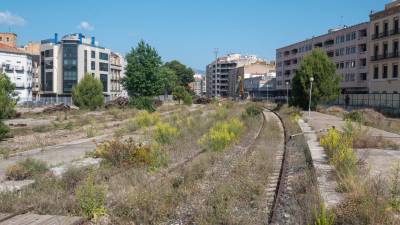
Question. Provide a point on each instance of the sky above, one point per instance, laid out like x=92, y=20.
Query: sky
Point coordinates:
x=185, y=30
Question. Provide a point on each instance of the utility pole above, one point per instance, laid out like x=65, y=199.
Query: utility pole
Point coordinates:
x=216, y=51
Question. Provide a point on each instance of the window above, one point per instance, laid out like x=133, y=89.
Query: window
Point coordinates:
x=395, y=48
x=85, y=61
x=8, y=39
x=395, y=71
x=93, y=65
x=384, y=72
x=376, y=50
x=1, y=38
x=396, y=25
x=353, y=35
x=385, y=28
x=377, y=30
x=363, y=76
x=93, y=54
x=70, y=77
x=103, y=66
x=385, y=50
x=48, y=53
x=103, y=56
x=104, y=81
x=376, y=72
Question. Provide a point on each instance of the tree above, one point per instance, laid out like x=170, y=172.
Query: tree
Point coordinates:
x=179, y=93
x=88, y=93
x=326, y=83
x=7, y=102
x=184, y=74
x=168, y=80
x=142, y=76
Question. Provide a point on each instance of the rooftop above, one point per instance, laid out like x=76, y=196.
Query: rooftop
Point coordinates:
x=9, y=49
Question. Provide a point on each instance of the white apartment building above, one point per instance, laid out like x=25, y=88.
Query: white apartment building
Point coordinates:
x=348, y=49
x=65, y=62
x=17, y=65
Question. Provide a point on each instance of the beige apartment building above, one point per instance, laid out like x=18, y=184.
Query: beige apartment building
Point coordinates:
x=384, y=50
x=116, y=64
x=347, y=47
x=9, y=39
x=256, y=69
x=219, y=71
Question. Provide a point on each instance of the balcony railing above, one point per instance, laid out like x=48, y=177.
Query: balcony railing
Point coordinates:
x=385, y=56
x=385, y=34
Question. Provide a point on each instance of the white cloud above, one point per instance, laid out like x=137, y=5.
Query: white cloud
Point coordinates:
x=84, y=25
x=7, y=18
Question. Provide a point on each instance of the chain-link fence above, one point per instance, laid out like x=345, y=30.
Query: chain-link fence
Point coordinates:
x=385, y=103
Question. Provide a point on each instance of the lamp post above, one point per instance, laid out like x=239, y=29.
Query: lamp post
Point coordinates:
x=309, y=104
x=287, y=93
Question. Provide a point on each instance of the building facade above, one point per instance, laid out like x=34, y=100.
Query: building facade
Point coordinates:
x=9, y=39
x=17, y=65
x=33, y=49
x=219, y=71
x=116, y=69
x=197, y=85
x=384, y=50
x=64, y=63
x=348, y=49
x=258, y=68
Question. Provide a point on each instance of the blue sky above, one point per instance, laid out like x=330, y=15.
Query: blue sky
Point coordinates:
x=182, y=29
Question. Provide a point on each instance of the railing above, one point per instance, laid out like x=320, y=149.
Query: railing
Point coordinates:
x=385, y=103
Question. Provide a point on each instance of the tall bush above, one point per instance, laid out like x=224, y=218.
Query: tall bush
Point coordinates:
x=88, y=93
x=7, y=102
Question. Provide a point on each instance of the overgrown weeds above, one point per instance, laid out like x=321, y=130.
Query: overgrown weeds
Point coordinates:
x=128, y=153
x=146, y=119
x=26, y=169
x=91, y=199
x=164, y=133
x=222, y=135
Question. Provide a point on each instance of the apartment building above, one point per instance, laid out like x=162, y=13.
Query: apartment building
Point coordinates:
x=218, y=72
x=348, y=49
x=259, y=68
x=64, y=63
x=384, y=50
x=9, y=39
x=33, y=49
x=17, y=65
x=116, y=68
x=197, y=85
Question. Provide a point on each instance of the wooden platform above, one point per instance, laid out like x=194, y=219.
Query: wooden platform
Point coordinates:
x=34, y=219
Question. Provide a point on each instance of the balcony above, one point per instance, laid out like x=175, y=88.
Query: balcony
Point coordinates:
x=385, y=34
x=391, y=55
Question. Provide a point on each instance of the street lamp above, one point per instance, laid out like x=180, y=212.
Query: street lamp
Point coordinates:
x=287, y=93
x=309, y=104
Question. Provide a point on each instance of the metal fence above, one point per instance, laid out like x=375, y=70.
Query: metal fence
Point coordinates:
x=385, y=103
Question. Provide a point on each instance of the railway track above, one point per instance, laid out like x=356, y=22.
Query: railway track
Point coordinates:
x=277, y=182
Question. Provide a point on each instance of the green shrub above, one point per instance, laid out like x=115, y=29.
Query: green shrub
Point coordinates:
x=165, y=133
x=323, y=217
x=355, y=116
x=4, y=130
x=143, y=103
x=252, y=111
x=187, y=99
x=88, y=93
x=90, y=131
x=69, y=126
x=125, y=153
x=222, y=134
x=91, y=199
x=25, y=169
x=221, y=113
x=145, y=119
x=340, y=152
x=131, y=125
